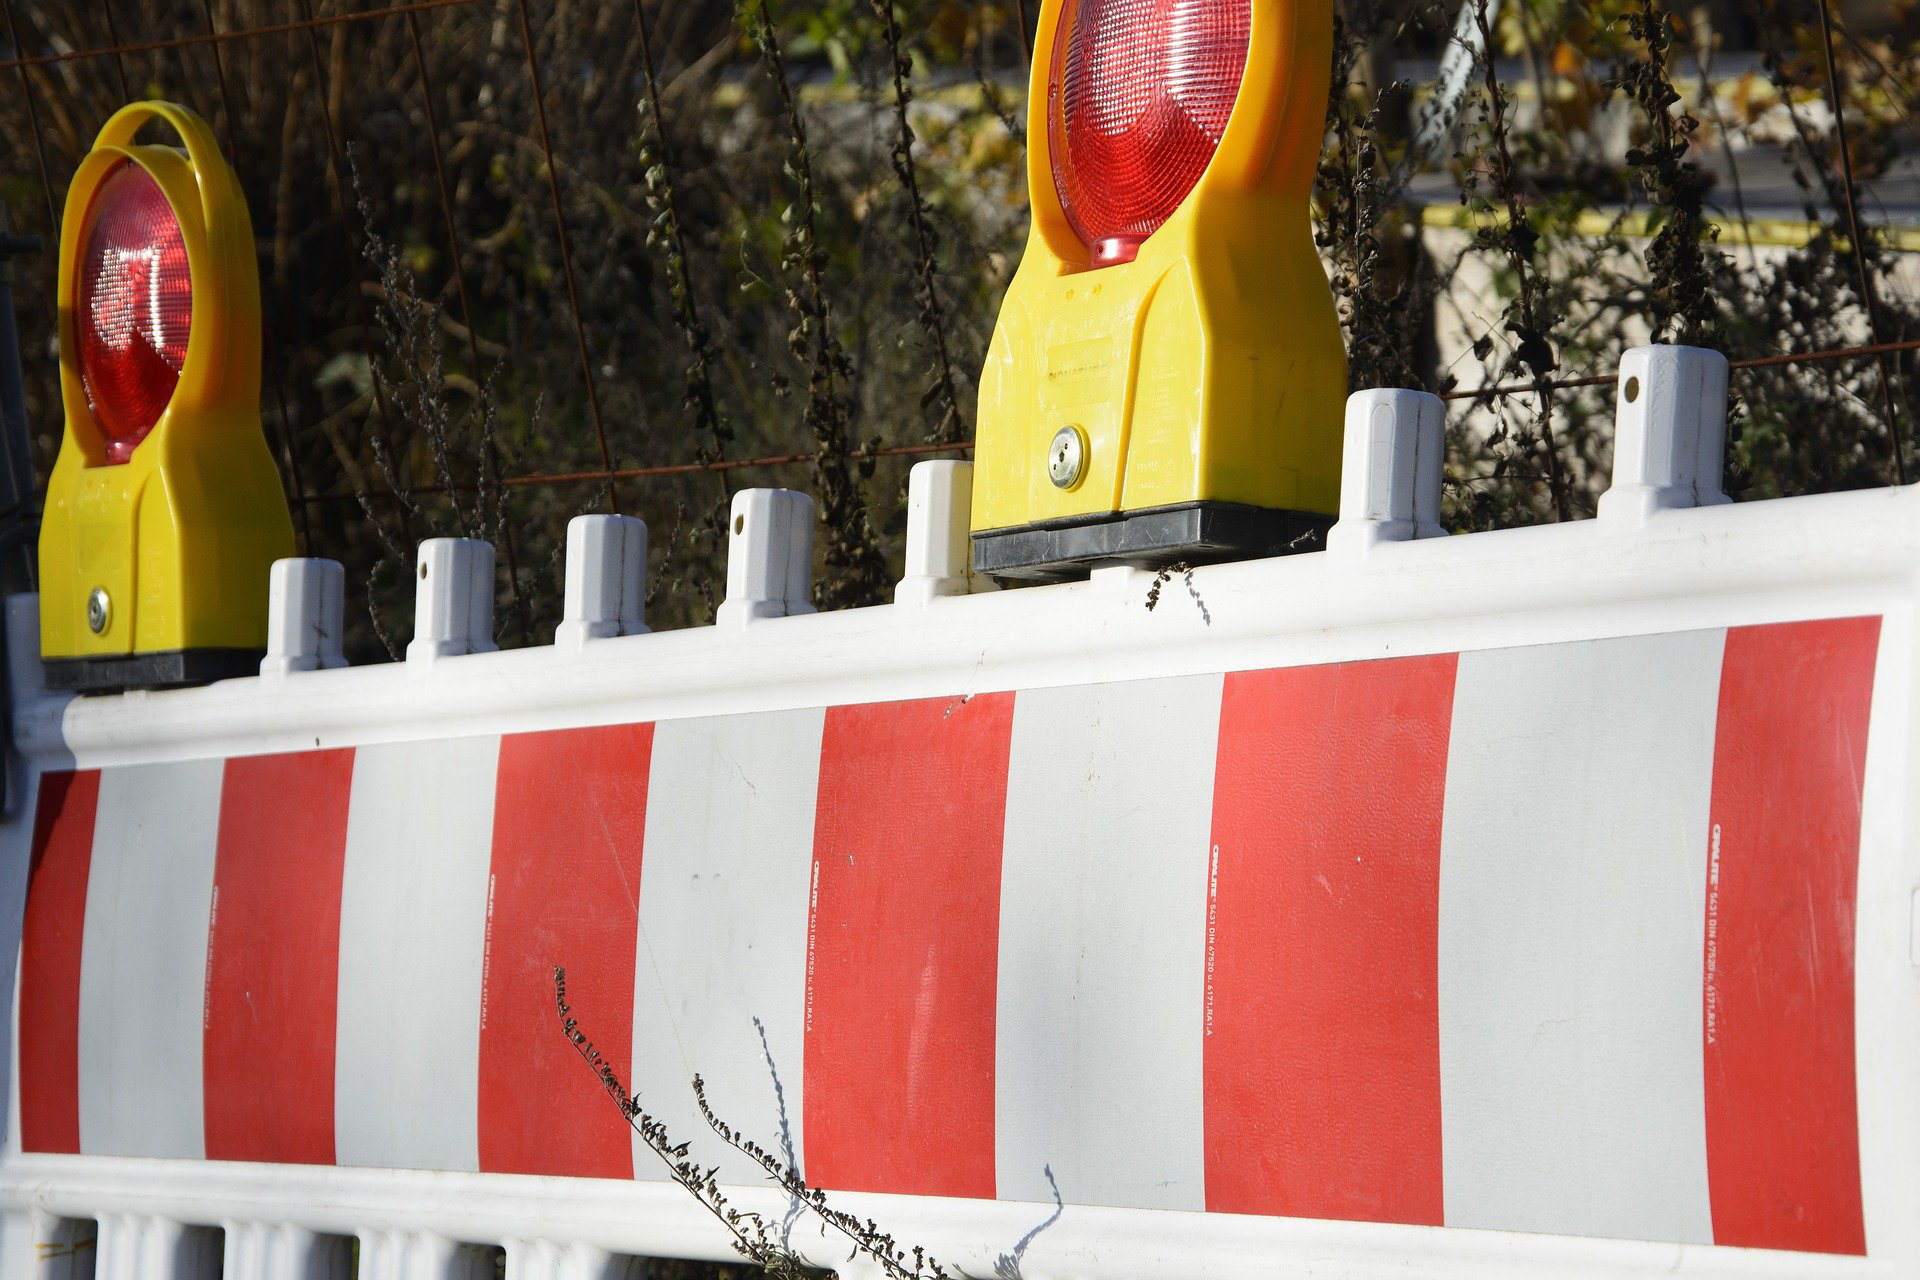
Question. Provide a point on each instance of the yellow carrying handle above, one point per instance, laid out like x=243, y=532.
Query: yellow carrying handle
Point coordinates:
x=217, y=186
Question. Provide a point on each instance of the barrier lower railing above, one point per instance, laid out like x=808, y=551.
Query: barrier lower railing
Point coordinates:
x=1519, y=903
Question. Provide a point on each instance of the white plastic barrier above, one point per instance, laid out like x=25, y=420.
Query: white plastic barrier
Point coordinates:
x=1539, y=902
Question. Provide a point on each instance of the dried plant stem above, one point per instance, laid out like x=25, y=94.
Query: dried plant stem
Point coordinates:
x=1837, y=102
x=941, y=393
x=753, y=1236
x=1516, y=240
x=899, y=1263
x=666, y=231
x=489, y=470
x=856, y=571
x=1680, y=286
x=747, y=1229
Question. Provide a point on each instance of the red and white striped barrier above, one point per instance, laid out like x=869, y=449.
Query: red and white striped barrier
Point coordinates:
x=1529, y=903
x=1549, y=939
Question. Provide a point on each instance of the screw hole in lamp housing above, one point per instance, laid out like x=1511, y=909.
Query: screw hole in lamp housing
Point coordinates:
x=135, y=308
x=1141, y=93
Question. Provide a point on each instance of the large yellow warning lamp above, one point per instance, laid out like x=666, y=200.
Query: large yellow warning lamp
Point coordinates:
x=1166, y=379
x=164, y=513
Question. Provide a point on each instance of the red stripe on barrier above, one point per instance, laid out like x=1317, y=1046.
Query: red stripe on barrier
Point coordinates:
x=903, y=946
x=50, y=946
x=273, y=950
x=569, y=820
x=1783, y=1136
x=1322, y=1036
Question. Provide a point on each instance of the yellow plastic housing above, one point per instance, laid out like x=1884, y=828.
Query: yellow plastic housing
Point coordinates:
x=182, y=535
x=1211, y=366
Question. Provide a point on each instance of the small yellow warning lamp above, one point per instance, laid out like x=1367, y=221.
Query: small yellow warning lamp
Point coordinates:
x=1166, y=379
x=164, y=513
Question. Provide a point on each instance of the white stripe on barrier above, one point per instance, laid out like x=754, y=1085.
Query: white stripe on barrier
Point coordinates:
x=1572, y=918
x=1103, y=902
x=414, y=902
x=1888, y=898
x=143, y=968
x=729, y=843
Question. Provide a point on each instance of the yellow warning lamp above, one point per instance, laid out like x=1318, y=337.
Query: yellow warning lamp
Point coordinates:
x=1167, y=376
x=164, y=513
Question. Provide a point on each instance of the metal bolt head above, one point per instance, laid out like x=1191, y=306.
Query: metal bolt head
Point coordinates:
x=98, y=606
x=1067, y=457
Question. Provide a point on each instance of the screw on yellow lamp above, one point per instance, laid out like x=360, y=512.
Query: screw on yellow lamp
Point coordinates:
x=164, y=513
x=1166, y=378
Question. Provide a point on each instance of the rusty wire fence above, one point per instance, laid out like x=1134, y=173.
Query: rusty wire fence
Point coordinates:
x=524, y=258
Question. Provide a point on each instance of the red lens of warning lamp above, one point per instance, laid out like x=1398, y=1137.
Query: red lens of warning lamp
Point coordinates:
x=1142, y=93
x=135, y=310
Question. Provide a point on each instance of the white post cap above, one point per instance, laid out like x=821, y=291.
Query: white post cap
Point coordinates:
x=1670, y=432
x=306, y=616
x=1391, y=468
x=769, y=556
x=939, y=552
x=606, y=579
x=452, y=600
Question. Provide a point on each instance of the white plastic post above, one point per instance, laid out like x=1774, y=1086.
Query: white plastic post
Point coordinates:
x=939, y=554
x=416, y=1255
x=606, y=579
x=23, y=644
x=769, y=556
x=452, y=600
x=1670, y=432
x=306, y=615
x=137, y=1247
x=545, y=1260
x=1390, y=472
x=276, y=1251
x=38, y=1246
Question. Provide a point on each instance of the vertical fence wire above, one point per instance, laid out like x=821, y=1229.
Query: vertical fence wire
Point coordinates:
x=566, y=254
x=1835, y=100
x=295, y=471
x=33, y=122
x=119, y=59
x=467, y=316
x=673, y=241
x=336, y=165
